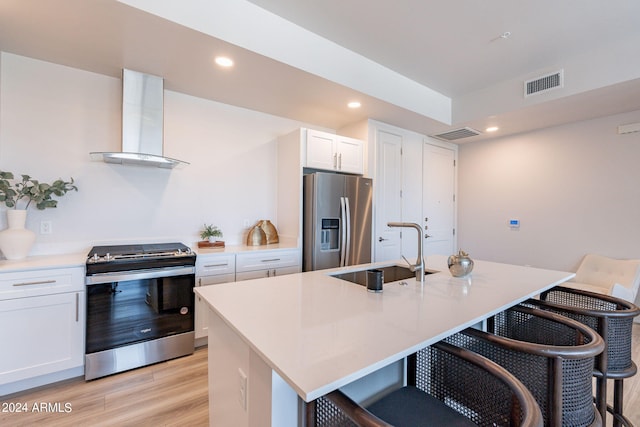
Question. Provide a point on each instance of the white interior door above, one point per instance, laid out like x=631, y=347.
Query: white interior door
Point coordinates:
x=439, y=199
x=388, y=206
x=411, y=172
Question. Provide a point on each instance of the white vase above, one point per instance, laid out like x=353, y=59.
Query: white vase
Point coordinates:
x=16, y=241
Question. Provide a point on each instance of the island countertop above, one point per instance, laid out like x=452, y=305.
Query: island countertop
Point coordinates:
x=320, y=333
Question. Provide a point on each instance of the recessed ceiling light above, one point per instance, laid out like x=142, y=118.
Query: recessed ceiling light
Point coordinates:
x=354, y=104
x=492, y=129
x=223, y=61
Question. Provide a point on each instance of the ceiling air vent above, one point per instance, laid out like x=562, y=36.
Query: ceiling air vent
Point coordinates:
x=630, y=128
x=544, y=83
x=455, y=134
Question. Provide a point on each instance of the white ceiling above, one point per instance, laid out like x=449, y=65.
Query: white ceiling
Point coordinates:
x=413, y=50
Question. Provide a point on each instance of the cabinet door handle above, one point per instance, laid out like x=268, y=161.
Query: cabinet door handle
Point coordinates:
x=199, y=281
x=77, y=307
x=335, y=160
x=340, y=161
x=216, y=265
x=274, y=272
x=41, y=282
x=271, y=260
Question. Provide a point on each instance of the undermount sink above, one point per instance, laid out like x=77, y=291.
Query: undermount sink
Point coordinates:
x=391, y=273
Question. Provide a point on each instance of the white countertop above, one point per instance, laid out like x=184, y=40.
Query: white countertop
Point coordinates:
x=236, y=249
x=320, y=333
x=43, y=262
x=79, y=259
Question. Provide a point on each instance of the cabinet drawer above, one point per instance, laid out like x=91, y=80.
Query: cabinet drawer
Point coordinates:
x=207, y=265
x=267, y=260
x=215, y=279
x=41, y=282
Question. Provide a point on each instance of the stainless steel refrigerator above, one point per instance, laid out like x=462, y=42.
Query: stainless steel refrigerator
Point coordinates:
x=337, y=221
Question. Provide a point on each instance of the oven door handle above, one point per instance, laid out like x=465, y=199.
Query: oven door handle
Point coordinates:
x=123, y=276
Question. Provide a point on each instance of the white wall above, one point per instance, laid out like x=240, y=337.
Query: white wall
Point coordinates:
x=52, y=116
x=575, y=189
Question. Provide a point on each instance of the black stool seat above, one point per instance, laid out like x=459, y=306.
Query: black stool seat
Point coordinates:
x=412, y=407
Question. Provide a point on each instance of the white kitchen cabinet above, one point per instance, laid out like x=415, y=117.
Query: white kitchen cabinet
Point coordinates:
x=267, y=264
x=43, y=317
x=211, y=269
x=334, y=152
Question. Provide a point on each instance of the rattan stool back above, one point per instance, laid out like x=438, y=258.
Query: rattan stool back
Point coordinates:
x=552, y=355
x=612, y=318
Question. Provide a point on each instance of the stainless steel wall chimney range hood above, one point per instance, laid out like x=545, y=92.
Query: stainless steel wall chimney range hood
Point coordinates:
x=142, y=123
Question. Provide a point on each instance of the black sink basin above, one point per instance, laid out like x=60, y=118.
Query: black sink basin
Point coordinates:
x=391, y=273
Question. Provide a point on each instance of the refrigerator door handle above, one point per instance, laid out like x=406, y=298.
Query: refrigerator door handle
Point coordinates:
x=347, y=211
x=343, y=229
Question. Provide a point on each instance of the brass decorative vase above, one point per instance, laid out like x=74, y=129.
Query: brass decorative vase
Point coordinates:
x=269, y=230
x=256, y=236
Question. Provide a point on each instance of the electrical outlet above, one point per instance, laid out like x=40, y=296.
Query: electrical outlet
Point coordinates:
x=242, y=395
x=46, y=227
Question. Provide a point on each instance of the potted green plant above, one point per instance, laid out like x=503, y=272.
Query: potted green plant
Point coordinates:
x=210, y=232
x=18, y=195
x=29, y=190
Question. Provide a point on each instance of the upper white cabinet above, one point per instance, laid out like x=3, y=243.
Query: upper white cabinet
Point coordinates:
x=328, y=151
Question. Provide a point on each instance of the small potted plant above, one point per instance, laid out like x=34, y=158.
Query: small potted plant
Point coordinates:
x=211, y=233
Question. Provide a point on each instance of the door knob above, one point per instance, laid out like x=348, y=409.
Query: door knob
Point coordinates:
x=426, y=236
x=380, y=239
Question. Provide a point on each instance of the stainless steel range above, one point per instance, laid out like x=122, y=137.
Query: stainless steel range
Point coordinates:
x=140, y=306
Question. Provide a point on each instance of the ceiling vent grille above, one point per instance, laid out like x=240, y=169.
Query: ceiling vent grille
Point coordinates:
x=455, y=134
x=544, y=83
x=630, y=128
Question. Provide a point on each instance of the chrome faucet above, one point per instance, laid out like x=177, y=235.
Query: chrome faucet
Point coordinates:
x=419, y=266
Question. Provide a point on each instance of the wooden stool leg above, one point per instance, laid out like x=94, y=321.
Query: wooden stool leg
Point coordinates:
x=601, y=397
x=618, y=395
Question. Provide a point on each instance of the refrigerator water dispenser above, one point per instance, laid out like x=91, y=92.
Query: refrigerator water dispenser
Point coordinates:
x=330, y=234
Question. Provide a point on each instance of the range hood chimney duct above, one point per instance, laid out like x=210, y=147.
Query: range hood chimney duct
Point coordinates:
x=142, y=123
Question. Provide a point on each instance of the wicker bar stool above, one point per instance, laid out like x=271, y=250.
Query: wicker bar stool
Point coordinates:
x=447, y=386
x=551, y=355
x=612, y=318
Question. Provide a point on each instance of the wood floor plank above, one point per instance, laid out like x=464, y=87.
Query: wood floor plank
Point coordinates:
x=172, y=393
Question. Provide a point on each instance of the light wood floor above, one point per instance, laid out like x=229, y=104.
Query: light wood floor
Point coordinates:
x=172, y=393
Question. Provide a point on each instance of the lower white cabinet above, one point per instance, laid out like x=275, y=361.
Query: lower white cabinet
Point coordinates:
x=269, y=272
x=42, y=313
x=211, y=269
x=267, y=264
x=215, y=268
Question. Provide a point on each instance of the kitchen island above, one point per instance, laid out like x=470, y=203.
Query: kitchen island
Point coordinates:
x=276, y=342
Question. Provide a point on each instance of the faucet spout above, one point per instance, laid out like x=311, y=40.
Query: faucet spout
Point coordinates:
x=419, y=266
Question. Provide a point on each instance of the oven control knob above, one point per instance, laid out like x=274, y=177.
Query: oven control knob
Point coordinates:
x=107, y=257
x=94, y=258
